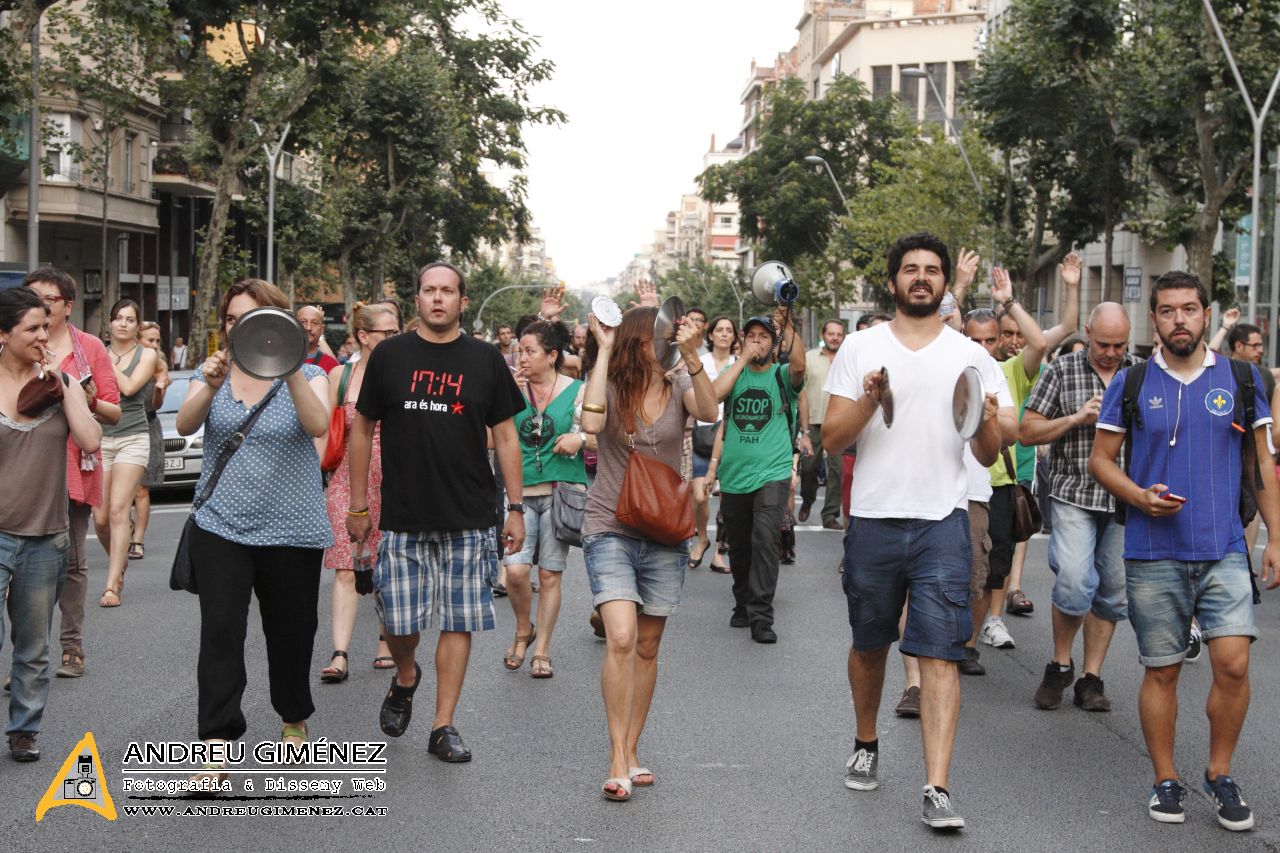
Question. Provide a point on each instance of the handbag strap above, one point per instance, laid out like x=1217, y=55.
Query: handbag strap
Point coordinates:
x=232, y=445
x=342, y=384
x=1008, y=465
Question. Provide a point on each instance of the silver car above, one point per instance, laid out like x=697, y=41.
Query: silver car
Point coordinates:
x=182, y=454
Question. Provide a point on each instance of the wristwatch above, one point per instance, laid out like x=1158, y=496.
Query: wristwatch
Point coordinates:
x=519, y=507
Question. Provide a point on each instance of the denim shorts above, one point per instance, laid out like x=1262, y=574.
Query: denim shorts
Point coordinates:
x=1086, y=553
x=448, y=571
x=541, y=546
x=886, y=557
x=624, y=569
x=1165, y=594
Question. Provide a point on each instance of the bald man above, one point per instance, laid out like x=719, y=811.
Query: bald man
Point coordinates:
x=1086, y=547
x=312, y=320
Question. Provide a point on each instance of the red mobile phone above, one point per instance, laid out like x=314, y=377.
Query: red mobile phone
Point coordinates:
x=1170, y=496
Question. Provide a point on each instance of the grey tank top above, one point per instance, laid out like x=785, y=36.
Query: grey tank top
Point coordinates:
x=133, y=411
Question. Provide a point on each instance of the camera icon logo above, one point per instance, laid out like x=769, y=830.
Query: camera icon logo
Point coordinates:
x=85, y=787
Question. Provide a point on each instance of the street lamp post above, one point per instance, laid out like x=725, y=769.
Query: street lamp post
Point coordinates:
x=815, y=160
x=1258, y=117
x=273, y=157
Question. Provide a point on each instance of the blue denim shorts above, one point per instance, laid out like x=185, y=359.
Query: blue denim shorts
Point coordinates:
x=541, y=547
x=884, y=558
x=1086, y=554
x=1165, y=594
x=418, y=574
x=624, y=569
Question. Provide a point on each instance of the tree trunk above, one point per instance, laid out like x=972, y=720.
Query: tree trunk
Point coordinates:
x=204, y=306
x=348, y=280
x=1199, y=247
x=1108, y=245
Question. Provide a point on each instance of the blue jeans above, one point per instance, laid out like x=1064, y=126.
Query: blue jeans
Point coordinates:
x=1086, y=553
x=32, y=570
x=649, y=573
x=1165, y=594
x=541, y=547
x=886, y=557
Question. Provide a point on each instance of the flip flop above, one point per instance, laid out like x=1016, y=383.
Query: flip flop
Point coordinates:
x=637, y=772
x=621, y=790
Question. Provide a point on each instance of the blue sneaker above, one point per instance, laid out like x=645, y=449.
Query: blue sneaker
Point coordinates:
x=1233, y=812
x=1165, y=804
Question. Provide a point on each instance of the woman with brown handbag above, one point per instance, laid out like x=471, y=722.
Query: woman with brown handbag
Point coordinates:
x=638, y=414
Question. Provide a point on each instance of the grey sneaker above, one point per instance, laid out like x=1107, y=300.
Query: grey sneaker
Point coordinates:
x=860, y=771
x=939, y=813
x=971, y=665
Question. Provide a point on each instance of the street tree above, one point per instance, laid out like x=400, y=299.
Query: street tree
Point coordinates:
x=708, y=286
x=786, y=206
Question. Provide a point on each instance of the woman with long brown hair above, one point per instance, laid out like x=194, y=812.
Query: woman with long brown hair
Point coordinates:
x=633, y=406
x=126, y=444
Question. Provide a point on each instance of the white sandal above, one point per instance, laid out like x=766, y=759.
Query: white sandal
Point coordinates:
x=641, y=771
x=621, y=792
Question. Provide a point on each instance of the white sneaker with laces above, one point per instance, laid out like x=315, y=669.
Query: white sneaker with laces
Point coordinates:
x=994, y=633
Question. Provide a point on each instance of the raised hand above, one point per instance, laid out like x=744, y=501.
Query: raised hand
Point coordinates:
x=552, y=305
x=215, y=369
x=602, y=333
x=966, y=268
x=1230, y=317
x=648, y=293
x=1069, y=270
x=1001, y=285
x=688, y=338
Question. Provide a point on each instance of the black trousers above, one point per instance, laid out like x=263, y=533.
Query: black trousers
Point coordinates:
x=809, y=466
x=753, y=525
x=287, y=583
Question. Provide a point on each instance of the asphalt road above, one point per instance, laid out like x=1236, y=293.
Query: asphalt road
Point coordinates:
x=748, y=742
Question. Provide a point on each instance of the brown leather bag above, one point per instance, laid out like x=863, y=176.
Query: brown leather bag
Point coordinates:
x=41, y=392
x=1026, y=511
x=655, y=499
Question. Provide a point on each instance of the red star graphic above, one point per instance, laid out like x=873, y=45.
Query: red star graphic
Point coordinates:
x=457, y=408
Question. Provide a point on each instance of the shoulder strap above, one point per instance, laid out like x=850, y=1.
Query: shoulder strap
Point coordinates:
x=1008, y=465
x=786, y=405
x=232, y=445
x=1130, y=411
x=342, y=383
x=1247, y=409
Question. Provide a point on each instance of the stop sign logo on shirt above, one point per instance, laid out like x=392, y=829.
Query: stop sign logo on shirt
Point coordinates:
x=752, y=410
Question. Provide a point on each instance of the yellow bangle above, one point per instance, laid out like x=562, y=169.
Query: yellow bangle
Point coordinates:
x=357, y=512
x=593, y=408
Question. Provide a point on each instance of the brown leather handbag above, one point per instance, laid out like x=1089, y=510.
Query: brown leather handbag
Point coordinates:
x=41, y=392
x=655, y=499
x=1026, y=511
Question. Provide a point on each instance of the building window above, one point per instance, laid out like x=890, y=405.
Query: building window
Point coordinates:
x=835, y=66
x=963, y=71
x=881, y=81
x=935, y=112
x=62, y=130
x=909, y=92
x=130, y=143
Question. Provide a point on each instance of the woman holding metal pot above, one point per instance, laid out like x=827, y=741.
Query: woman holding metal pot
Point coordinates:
x=263, y=530
x=34, y=520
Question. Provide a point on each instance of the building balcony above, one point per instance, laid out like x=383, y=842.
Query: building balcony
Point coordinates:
x=172, y=172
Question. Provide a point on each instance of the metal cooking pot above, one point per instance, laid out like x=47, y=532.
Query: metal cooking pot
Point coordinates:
x=268, y=343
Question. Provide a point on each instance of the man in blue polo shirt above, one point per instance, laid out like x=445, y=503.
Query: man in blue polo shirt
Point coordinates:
x=1184, y=551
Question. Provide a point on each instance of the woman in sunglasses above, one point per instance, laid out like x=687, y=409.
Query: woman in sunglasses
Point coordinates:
x=551, y=444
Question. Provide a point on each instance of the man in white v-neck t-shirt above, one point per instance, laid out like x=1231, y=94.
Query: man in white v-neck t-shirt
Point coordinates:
x=908, y=526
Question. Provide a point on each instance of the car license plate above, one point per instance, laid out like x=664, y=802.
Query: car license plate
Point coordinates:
x=175, y=464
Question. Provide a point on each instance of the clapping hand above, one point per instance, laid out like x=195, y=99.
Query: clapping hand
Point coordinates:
x=1001, y=285
x=552, y=305
x=1230, y=317
x=647, y=292
x=966, y=268
x=1069, y=269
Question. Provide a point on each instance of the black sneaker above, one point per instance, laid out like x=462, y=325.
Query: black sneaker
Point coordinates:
x=860, y=771
x=1049, y=694
x=763, y=634
x=1090, y=695
x=1233, y=812
x=1165, y=804
x=22, y=747
x=1195, y=645
x=939, y=812
x=970, y=665
x=739, y=620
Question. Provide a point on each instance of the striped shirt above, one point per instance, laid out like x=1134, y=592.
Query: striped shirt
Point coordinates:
x=1063, y=388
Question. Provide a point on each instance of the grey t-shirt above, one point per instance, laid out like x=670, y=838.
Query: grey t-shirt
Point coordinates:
x=664, y=440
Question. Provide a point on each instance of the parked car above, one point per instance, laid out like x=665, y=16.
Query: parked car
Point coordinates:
x=182, y=454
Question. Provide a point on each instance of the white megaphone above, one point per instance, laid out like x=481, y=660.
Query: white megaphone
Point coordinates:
x=773, y=284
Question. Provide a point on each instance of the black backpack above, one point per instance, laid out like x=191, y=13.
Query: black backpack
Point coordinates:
x=1243, y=417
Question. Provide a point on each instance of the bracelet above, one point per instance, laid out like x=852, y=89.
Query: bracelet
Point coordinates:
x=358, y=512
x=702, y=370
x=583, y=436
x=1011, y=300
x=593, y=408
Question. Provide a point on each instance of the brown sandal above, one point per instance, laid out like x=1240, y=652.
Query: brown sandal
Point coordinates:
x=540, y=667
x=103, y=602
x=514, y=662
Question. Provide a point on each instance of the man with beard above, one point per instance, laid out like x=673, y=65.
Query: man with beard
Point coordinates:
x=818, y=364
x=438, y=394
x=908, y=525
x=1086, y=545
x=758, y=440
x=1184, y=552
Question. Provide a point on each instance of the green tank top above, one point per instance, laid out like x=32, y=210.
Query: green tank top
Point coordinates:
x=540, y=464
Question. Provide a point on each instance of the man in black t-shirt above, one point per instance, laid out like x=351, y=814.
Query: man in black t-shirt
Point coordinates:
x=437, y=394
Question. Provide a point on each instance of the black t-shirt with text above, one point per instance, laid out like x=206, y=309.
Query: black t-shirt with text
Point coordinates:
x=434, y=402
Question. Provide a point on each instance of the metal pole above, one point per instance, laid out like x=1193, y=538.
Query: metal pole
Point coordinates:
x=477, y=324
x=273, y=157
x=33, y=156
x=1258, y=117
x=1270, y=333
x=959, y=142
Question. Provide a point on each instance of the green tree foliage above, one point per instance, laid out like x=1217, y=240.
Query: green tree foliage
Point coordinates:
x=712, y=288
x=1046, y=95
x=787, y=206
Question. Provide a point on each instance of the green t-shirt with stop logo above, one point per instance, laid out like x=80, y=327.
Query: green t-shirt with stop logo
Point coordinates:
x=757, y=438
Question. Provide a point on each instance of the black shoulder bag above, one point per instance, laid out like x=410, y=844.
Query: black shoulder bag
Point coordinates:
x=182, y=575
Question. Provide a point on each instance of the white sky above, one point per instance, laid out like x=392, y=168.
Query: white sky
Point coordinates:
x=644, y=84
